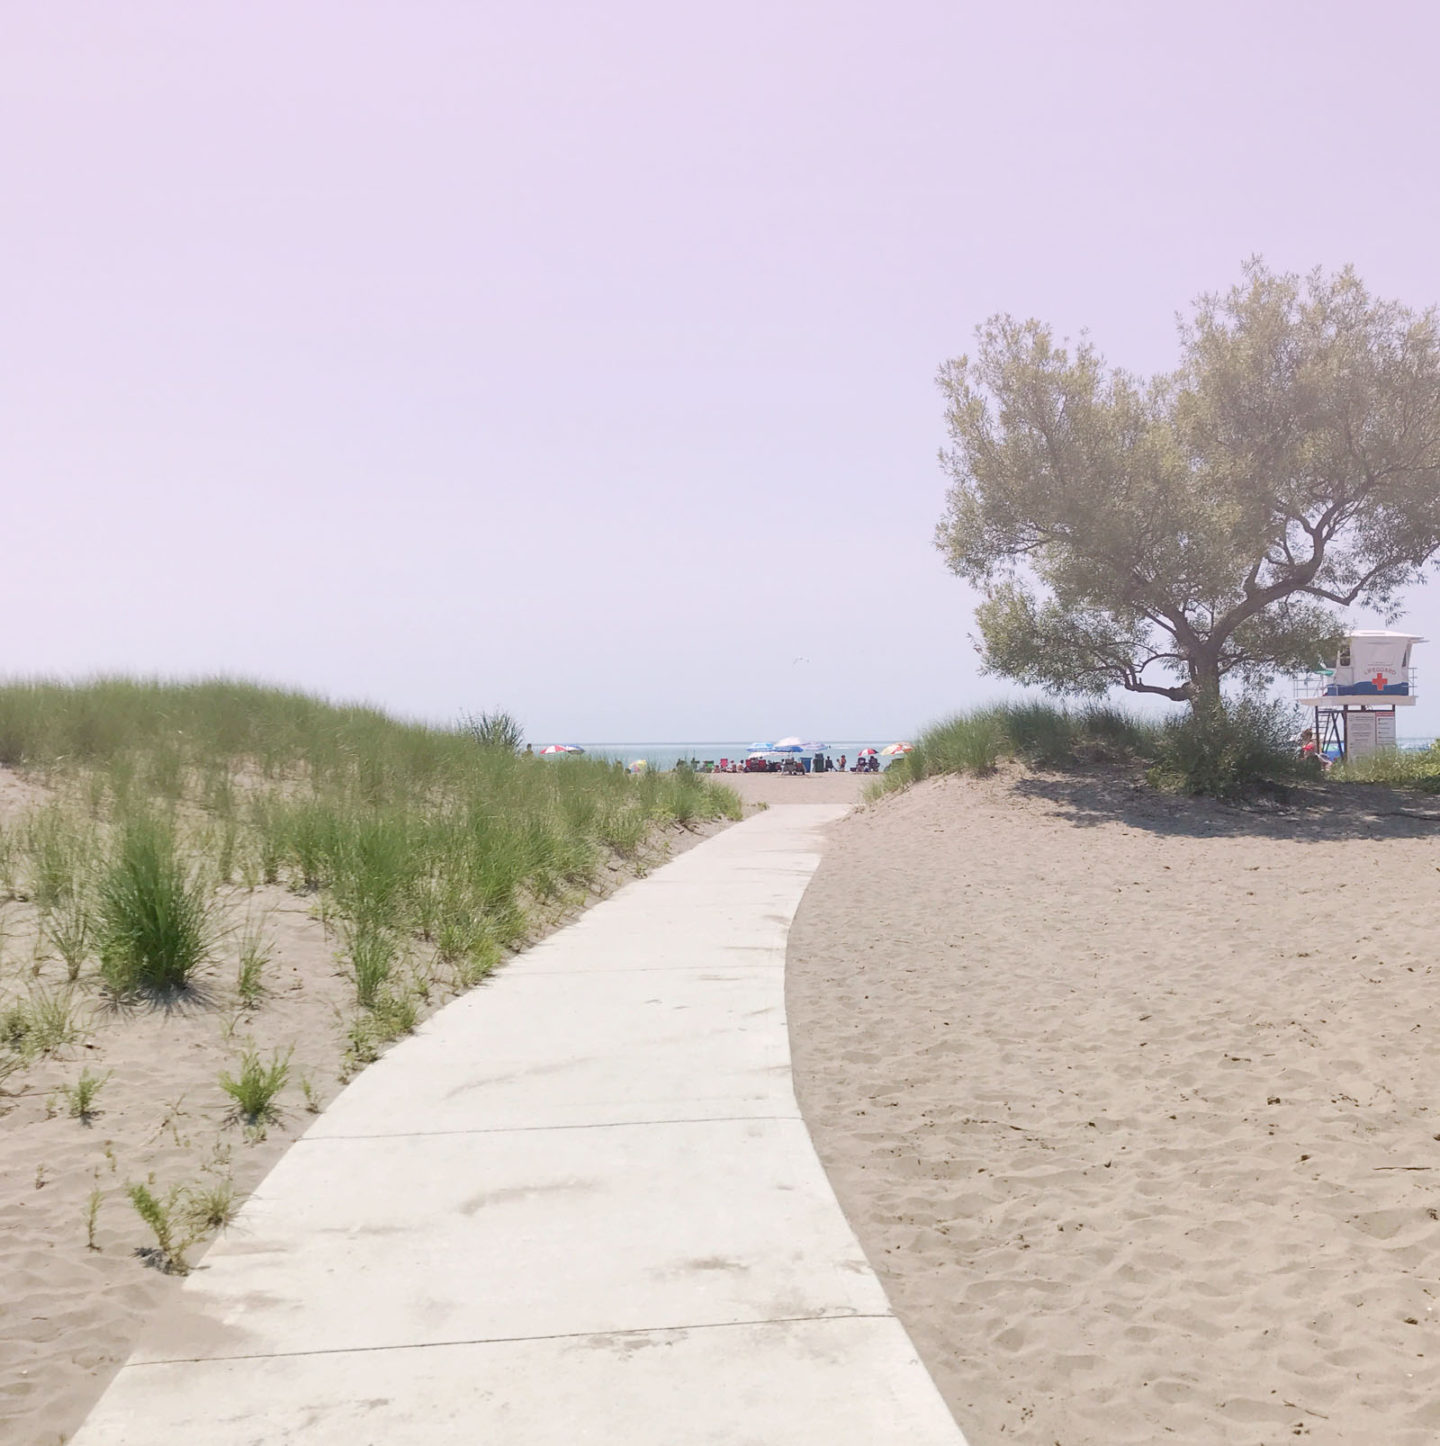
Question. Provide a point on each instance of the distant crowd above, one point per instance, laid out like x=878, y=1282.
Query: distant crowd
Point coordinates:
x=792, y=764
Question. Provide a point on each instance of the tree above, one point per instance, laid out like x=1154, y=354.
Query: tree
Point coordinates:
x=1209, y=523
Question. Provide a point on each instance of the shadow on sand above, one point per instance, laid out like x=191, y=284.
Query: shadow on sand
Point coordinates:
x=197, y=997
x=1306, y=813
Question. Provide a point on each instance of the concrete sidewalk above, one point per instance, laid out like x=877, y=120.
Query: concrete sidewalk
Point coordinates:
x=580, y=1205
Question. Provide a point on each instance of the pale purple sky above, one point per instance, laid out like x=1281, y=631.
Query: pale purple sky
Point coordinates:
x=578, y=358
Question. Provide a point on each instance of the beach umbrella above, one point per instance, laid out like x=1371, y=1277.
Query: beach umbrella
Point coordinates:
x=789, y=745
x=892, y=749
x=562, y=748
x=866, y=753
x=815, y=747
x=639, y=765
x=762, y=748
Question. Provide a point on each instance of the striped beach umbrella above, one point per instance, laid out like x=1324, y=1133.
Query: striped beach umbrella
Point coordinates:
x=562, y=748
x=866, y=753
x=893, y=748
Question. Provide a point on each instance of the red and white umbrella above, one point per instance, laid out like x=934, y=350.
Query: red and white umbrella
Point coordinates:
x=892, y=749
x=562, y=748
x=866, y=753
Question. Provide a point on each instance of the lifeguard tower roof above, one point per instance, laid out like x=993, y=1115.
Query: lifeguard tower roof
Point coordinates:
x=1387, y=633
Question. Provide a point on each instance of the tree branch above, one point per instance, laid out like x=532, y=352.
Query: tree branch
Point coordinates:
x=1346, y=599
x=1175, y=695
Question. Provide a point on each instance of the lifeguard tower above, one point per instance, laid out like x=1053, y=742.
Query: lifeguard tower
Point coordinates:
x=1356, y=700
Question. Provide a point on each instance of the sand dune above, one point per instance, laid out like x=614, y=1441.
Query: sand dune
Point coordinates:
x=1134, y=1104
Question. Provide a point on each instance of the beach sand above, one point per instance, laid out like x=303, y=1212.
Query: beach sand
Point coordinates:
x=1134, y=1104
x=70, y=1313
x=777, y=788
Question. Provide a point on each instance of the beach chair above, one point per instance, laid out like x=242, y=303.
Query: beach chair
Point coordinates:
x=708, y=766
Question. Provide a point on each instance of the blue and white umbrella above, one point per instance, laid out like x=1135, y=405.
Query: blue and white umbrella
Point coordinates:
x=790, y=745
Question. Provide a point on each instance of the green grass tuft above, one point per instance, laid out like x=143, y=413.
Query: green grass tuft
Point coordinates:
x=59, y=850
x=395, y=1013
x=372, y=957
x=254, y=1089
x=81, y=1096
x=250, y=975
x=69, y=927
x=155, y=922
x=210, y=1207
x=92, y=1216
x=41, y=1023
x=496, y=729
x=165, y=1217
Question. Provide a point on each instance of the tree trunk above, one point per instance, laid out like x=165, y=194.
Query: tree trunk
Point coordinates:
x=1205, y=680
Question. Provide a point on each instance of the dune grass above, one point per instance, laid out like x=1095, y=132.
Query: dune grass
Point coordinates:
x=393, y=1012
x=212, y=1207
x=155, y=921
x=1419, y=769
x=69, y=929
x=415, y=840
x=1244, y=748
x=254, y=1088
x=167, y=1218
x=1039, y=734
x=372, y=949
x=80, y=1097
x=58, y=848
x=40, y=1023
x=250, y=986
x=495, y=729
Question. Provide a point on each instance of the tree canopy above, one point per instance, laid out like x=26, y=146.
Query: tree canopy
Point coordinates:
x=1162, y=535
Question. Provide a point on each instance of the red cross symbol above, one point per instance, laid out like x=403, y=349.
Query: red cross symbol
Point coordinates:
x=1380, y=681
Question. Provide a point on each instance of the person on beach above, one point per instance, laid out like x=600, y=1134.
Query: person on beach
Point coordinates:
x=1308, y=750
x=842, y=763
